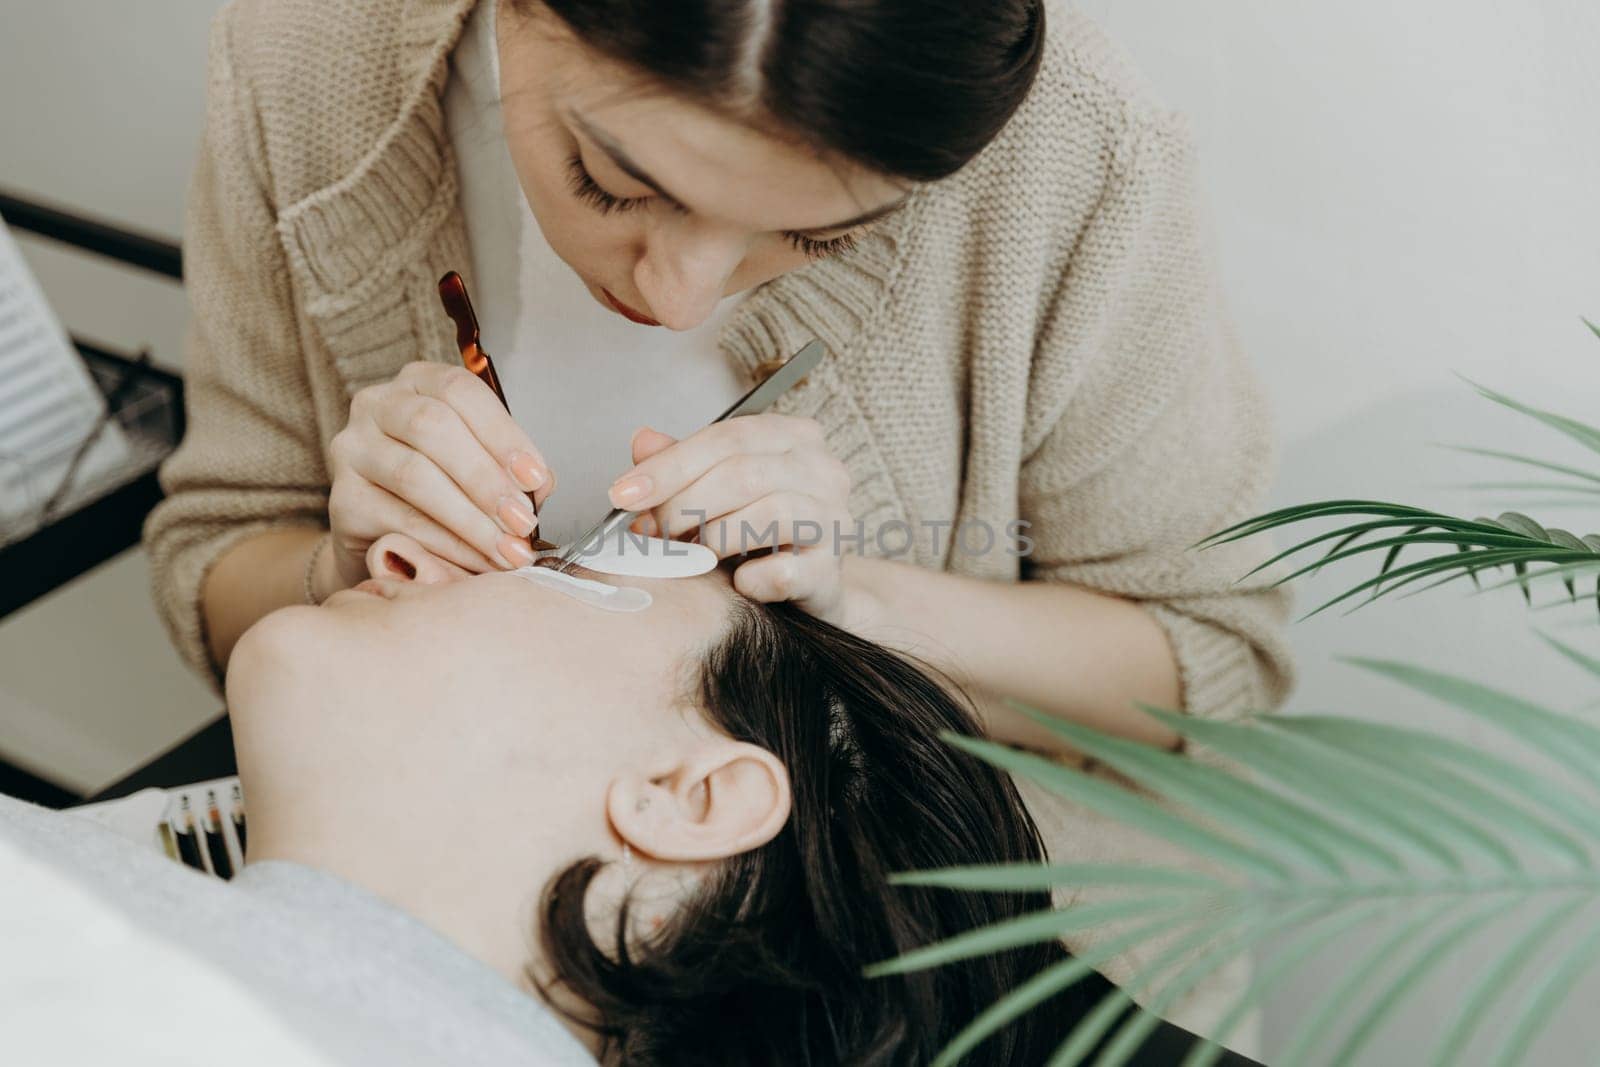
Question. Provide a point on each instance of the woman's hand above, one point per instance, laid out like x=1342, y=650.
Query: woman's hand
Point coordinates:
x=750, y=483
x=433, y=455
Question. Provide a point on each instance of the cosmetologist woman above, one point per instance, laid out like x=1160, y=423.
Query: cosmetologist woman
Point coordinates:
x=1032, y=400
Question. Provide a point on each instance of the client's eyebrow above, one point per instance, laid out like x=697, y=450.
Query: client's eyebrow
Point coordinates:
x=626, y=164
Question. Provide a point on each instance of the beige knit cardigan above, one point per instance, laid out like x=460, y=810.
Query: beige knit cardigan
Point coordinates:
x=1040, y=337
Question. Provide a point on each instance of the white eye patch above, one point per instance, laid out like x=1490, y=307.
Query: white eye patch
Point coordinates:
x=628, y=556
x=631, y=556
x=595, y=594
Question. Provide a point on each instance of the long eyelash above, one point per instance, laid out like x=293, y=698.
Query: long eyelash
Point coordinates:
x=585, y=188
x=818, y=249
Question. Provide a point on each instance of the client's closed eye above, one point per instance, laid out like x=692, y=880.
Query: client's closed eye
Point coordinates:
x=574, y=569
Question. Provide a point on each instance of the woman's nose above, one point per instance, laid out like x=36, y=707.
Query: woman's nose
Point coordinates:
x=685, y=269
x=396, y=556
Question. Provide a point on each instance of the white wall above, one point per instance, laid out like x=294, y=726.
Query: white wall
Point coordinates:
x=100, y=109
x=1402, y=191
x=101, y=103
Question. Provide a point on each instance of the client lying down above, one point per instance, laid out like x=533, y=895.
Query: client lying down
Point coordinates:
x=673, y=824
x=492, y=822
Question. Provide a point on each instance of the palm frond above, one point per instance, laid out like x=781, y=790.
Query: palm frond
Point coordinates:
x=1559, y=487
x=1314, y=827
x=1458, y=930
x=1512, y=540
x=1587, y=662
x=1542, y=1000
x=1046, y=984
x=1560, y=738
x=1220, y=950
x=1337, y=1002
x=1284, y=964
x=1584, y=434
x=1530, y=461
x=1319, y=825
x=1497, y=979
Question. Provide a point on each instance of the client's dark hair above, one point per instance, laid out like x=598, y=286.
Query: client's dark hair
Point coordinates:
x=764, y=965
x=910, y=88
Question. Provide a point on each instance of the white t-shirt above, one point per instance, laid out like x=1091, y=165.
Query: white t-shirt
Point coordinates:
x=578, y=377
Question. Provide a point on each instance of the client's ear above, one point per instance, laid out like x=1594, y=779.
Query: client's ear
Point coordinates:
x=394, y=555
x=714, y=800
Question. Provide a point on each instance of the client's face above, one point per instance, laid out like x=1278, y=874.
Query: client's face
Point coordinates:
x=466, y=650
x=449, y=744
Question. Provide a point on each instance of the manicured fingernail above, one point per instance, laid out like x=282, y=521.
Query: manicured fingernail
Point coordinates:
x=515, y=553
x=644, y=525
x=526, y=470
x=516, y=518
x=630, y=490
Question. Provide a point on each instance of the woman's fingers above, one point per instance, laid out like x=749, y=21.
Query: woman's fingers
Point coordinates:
x=777, y=520
x=647, y=442
x=729, y=486
x=361, y=512
x=435, y=433
x=760, y=482
x=485, y=418
x=435, y=456
x=806, y=575
x=671, y=470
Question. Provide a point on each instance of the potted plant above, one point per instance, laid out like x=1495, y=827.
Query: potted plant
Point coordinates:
x=1321, y=825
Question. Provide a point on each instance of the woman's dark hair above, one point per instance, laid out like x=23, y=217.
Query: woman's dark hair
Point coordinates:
x=764, y=964
x=909, y=88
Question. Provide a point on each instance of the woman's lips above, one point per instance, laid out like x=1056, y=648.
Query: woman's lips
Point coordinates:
x=627, y=312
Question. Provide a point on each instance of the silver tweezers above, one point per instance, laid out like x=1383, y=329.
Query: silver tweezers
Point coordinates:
x=754, y=402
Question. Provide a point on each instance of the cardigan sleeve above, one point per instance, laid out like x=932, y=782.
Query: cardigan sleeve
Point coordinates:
x=1150, y=432
x=251, y=458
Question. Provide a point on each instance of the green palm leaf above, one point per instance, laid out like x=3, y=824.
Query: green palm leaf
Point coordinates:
x=1242, y=805
x=1405, y=752
x=1451, y=761
x=1046, y=984
x=1322, y=825
x=1525, y=460
x=1137, y=1026
x=1521, y=487
x=1497, y=980
x=1025, y=877
x=1369, y=821
x=1337, y=1002
x=1584, y=434
x=1544, y=998
x=1565, y=740
x=1454, y=935
x=1026, y=930
x=1587, y=662
x=1119, y=803
x=1092, y=1029
x=1514, y=539
x=1284, y=964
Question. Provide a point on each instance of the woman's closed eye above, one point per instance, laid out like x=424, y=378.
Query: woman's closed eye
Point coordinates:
x=586, y=189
